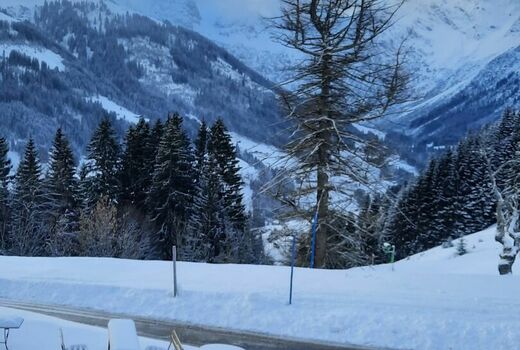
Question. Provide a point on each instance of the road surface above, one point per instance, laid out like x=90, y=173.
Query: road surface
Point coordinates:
x=189, y=334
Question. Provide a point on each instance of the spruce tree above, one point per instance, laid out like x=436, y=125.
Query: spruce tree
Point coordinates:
x=426, y=192
x=104, y=164
x=172, y=188
x=137, y=165
x=220, y=146
x=28, y=236
x=401, y=229
x=5, y=215
x=201, y=149
x=239, y=239
x=445, y=209
x=62, y=196
x=461, y=246
x=156, y=134
x=207, y=227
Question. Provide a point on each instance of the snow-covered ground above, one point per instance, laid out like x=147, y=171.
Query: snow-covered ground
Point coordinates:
x=434, y=300
x=43, y=333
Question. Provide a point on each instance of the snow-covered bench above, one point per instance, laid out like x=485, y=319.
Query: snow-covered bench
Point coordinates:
x=122, y=335
x=8, y=323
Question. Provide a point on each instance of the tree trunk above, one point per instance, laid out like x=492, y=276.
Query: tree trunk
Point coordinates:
x=508, y=237
x=323, y=186
x=506, y=262
x=323, y=213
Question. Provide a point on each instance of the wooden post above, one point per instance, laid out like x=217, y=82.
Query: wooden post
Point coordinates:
x=174, y=260
x=293, y=257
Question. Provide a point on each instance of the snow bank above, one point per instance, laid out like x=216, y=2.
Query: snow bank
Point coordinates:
x=434, y=300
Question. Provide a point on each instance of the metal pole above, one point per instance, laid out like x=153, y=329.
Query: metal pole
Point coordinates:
x=392, y=259
x=313, y=242
x=293, y=258
x=174, y=256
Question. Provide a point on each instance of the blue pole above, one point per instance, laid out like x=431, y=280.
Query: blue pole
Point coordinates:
x=292, y=267
x=313, y=243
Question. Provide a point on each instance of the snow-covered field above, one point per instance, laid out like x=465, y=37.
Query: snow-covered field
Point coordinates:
x=434, y=300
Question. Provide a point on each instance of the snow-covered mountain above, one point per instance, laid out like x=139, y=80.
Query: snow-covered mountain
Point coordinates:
x=101, y=58
x=237, y=25
x=464, y=65
x=462, y=56
x=453, y=45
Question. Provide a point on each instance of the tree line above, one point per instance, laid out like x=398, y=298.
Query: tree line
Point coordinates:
x=134, y=200
x=456, y=194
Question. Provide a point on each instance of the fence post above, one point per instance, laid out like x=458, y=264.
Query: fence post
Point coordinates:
x=313, y=240
x=293, y=257
x=174, y=261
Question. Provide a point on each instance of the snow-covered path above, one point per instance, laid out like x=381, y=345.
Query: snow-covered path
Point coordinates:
x=431, y=301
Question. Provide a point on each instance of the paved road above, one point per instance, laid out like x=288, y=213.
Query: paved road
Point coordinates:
x=189, y=334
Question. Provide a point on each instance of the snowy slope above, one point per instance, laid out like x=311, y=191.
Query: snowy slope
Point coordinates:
x=434, y=300
x=110, y=106
x=52, y=59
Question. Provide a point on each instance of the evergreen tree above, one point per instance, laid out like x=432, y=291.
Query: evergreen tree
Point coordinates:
x=84, y=186
x=461, y=246
x=137, y=165
x=446, y=190
x=239, y=240
x=220, y=146
x=104, y=164
x=172, y=188
x=5, y=215
x=62, y=195
x=28, y=236
x=201, y=149
x=155, y=138
x=426, y=193
x=207, y=229
x=401, y=228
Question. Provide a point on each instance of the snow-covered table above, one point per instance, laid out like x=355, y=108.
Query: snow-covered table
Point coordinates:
x=8, y=323
x=122, y=335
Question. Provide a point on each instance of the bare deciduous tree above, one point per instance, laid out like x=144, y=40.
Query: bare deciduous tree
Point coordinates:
x=507, y=196
x=345, y=77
